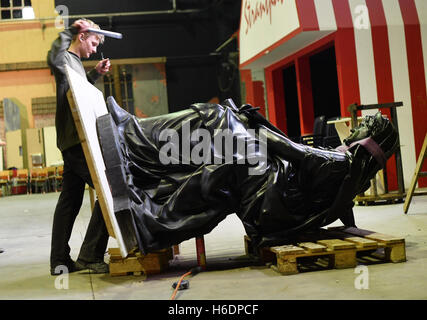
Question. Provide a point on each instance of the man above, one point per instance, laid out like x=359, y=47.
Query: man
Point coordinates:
x=71, y=45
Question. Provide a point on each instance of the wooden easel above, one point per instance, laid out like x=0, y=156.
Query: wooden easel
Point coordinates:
x=417, y=174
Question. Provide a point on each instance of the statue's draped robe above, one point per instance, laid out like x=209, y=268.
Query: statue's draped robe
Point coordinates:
x=296, y=188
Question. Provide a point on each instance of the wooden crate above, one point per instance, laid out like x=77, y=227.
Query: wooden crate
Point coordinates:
x=137, y=264
x=334, y=248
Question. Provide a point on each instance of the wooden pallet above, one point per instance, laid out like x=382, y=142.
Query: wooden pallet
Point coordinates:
x=387, y=198
x=138, y=264
x=333, y=248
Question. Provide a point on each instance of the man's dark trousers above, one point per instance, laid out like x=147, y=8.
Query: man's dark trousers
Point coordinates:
x=76, y=175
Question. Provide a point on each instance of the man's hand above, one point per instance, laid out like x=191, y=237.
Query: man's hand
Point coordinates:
x=81, y=25
x=103, y=66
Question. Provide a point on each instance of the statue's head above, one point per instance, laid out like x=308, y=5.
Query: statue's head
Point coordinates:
x=378, y=128
x=371, y=143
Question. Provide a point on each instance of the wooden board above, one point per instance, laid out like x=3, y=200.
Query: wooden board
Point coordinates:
x=287, y=249
x=380, y=237
x=136, y=264
x=417, y=174
x=87, y=104
x=363, y=242
x=52, y=155
x=312, y=247
x=337, y=244
x=385, y=238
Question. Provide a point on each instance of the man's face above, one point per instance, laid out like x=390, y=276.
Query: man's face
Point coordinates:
x=88, y=46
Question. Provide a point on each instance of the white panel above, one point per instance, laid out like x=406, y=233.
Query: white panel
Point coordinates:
x=325, y=14
x=364, y=54
x=1, y=158
x=401, y=87
x=53, y=156
x=14, y=149
x=260, y=29
x=90, y=105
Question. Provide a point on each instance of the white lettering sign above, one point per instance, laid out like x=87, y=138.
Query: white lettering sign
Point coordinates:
x=263, y=23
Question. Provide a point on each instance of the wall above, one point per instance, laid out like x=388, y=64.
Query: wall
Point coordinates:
x=186, y=40
x=381, y=55
x=27, y=42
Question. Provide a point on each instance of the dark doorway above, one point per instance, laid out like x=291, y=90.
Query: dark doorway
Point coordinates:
x=324, y=82
x=291, y=102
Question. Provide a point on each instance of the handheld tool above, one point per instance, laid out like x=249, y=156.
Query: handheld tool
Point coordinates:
x=106, y=33
x=102, y=58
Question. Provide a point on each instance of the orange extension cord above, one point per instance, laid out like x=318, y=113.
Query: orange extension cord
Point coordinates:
x=179, y=284
x=193, y=272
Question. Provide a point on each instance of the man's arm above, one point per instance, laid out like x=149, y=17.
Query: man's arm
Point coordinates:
x=92, y=76
x=56, y=55
x=101, y=68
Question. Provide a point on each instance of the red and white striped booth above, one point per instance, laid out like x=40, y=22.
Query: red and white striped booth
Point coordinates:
x=380, y=49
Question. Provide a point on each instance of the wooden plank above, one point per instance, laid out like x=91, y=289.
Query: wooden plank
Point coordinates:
x=344, y=259
x=395, y=253
x=87, y=104
x=416, y=175
x=385, y=238
x=287, y=250
x=385, y=196
x=337, y=244
x=151, y=263
x=113, y=252
x=363, y=242
x=287, y=266
x=126, y=265
x=380, y=237
x=312, y=247
x=90, y=163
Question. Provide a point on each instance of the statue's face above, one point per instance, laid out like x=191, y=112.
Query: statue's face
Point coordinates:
x=369, y=126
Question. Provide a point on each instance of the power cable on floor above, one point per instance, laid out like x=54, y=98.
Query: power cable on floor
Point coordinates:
x=179, y=285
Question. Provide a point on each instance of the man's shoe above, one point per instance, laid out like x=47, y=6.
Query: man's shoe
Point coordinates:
x=95, y=267
x=63, y=268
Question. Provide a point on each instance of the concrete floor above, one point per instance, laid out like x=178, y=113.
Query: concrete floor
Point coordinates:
x=25, y=230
